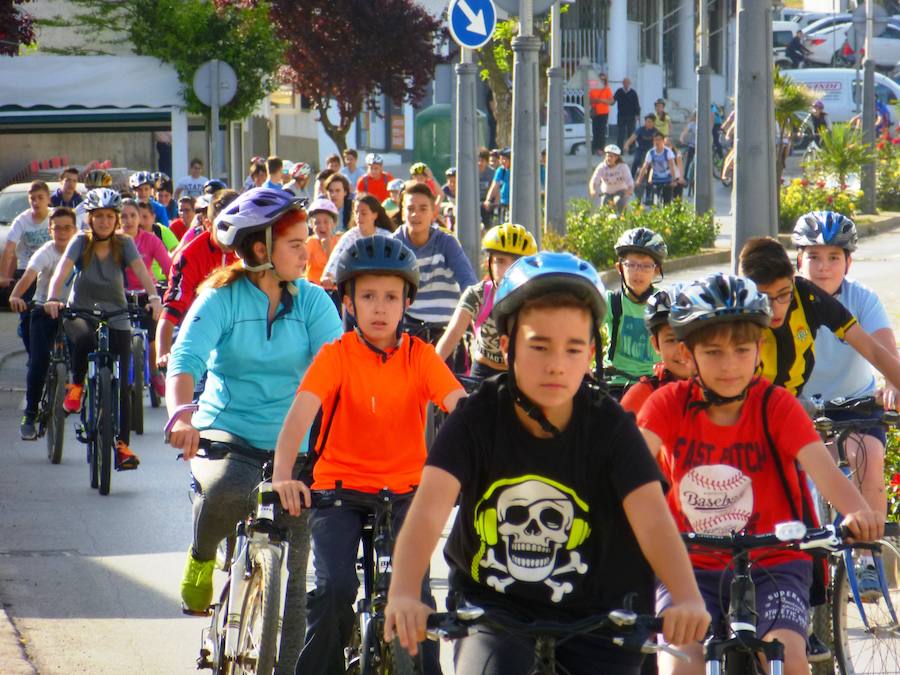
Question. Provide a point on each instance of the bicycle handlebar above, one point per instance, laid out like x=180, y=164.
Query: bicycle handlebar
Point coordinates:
x=870, y=411
x=788, y=535
x=622, y=627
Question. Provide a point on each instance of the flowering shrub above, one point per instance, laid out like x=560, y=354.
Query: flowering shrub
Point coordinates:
x=888, y=173
x=592, y=232
x=802, y=195
x=892, y=474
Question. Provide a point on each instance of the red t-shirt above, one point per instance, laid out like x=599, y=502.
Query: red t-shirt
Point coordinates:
x=723, y=478
x=178, y=228
x=377, y=187
x=192, y=264
x=640, y=391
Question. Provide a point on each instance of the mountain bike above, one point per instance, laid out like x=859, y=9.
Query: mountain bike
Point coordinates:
x=244, y=632
x=100, y=413
x=51, y=417
x=368, y=653
x=139, y=373
x=621, y=628
x=866, y=634
x=735, y=648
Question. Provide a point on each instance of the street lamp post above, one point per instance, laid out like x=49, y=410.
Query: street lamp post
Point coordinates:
x=703, y=177
x=525, y=188
x=867, y=175
x=754, y=170
x=555, y=204
x=468, y=216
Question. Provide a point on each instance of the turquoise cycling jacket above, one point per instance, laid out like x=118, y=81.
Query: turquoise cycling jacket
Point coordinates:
x=254, y=367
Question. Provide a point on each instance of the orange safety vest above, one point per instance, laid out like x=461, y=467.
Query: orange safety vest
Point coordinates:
x=595, y=95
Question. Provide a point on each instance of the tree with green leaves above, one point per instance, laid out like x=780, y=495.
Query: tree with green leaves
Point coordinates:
x=185, y=34
x=16, y=27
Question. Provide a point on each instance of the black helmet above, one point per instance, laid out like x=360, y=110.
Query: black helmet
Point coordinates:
x=656, y=313
x=212, y=186
x=719, y=298
x=378, y=255
x=642, y=240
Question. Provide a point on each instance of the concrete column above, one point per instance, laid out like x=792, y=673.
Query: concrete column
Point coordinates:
x=525, y=188
x=867, y=176
x=468, y=215
x=616, y=42
x=703, y=177
x=754, y=175
x=686, y=43
x=180, y=148
x=555, y=204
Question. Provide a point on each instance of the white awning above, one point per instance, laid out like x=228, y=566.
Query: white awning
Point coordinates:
x=89, y=82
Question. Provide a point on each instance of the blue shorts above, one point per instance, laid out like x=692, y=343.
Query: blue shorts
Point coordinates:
x=876, y=431
x=782, y=595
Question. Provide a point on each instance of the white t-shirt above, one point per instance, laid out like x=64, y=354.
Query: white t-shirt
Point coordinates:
x=44, y=262
x=353, y=176
x=190, y=186
x=28, y=236
x=839, y=369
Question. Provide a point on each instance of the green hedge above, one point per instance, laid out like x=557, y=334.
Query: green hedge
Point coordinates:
x=592, y=231
x=892, y=474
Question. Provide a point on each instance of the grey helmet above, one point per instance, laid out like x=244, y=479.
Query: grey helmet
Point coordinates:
x=378, y=255
x=642, y=240
x=825, y=228
x=102, y=198
x=719, y=298
x=139, y=178
x=656, y=312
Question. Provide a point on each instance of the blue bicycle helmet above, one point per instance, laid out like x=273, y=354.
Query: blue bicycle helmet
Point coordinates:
x=547, y=272
x=825, y=228
x=719, y=298
x=213, y=185
x=378, y=255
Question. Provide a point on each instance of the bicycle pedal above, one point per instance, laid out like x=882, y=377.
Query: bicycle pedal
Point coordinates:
x=203, y=661
x=81, y=434
x=195, y=612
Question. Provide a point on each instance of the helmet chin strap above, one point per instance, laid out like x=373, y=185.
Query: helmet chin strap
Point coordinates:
x=526, y=404
x=267, y=265
x=710, y=397
x=640, y=297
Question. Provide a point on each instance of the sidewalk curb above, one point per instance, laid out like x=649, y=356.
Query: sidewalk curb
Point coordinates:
x=10, y=355
x=866, y=228
x=12, y=648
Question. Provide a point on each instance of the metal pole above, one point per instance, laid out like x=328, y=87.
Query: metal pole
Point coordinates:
x=468, y=216
x=555, y=198
x=214, y=119
x=867, y=177
x=588, y=140
x=754, y=176
x=703, y=176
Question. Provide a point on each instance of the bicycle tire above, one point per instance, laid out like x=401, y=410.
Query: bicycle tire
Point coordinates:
x=260, y=614
x=823, y=627
x=858, y=651
x=90, y=428
x=399, y=662
x=137, y=384
x=739, y=663
x=56, y=416
x=219, y=623
x=105, y=438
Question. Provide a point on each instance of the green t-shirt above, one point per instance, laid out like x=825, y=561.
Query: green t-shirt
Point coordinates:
x=634, y=354
x=170, y=241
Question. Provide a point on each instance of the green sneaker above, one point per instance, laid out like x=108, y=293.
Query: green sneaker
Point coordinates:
x=196, y=586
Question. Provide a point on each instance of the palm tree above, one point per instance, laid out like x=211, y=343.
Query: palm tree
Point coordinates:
x=792, y=103
x=841, y=153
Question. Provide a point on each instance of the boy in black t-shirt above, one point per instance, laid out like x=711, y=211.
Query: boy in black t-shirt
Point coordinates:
x=560, y=501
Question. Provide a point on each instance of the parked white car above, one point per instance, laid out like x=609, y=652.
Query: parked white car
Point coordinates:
x=573, y=130
x=885, y=48
x=840, y=90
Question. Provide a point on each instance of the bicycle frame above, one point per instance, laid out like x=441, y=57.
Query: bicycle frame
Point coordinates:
x=99, y=358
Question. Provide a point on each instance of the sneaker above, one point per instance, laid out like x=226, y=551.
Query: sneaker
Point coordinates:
x=867, y=581
x=196, y=585
x=27, y=428
x=72, y=402
x=158, y=382
x=816, y=650
x=126, y=460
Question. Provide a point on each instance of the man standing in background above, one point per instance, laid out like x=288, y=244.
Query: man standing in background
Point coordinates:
x=629, y=111
x=601, y=97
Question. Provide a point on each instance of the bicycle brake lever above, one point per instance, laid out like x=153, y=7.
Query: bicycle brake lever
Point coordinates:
x=669, y=649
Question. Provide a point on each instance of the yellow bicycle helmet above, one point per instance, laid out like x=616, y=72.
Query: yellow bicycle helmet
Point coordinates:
x=97, y=178
x=417, y=168
x=509, y=238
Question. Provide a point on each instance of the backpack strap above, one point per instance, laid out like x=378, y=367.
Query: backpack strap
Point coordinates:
x=615, y=307
x=487, y=304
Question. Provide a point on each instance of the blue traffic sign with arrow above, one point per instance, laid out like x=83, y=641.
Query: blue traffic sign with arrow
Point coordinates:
x=472, y=22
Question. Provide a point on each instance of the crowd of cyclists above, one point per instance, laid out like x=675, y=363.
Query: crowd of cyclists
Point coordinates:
x=313, y=318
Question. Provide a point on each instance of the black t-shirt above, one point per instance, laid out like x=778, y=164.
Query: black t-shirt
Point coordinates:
x=541, y=530
x=644, y=138
x=628, y=103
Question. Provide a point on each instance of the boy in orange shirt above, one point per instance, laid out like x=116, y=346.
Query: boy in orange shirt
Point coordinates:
x=372, y=385
x=672, y=365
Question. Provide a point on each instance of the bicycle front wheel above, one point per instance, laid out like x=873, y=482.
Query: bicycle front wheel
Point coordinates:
x=106, y=440
x=260, y=614
x=56, y=415
x=137, y=384
x=400, y=662
x=874, y=649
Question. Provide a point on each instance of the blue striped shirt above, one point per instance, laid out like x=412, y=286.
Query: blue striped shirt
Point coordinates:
x=444, y=271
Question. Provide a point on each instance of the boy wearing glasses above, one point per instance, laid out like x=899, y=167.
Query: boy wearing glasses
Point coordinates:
x=40, y=267
x=629, y=353
x=799, y=309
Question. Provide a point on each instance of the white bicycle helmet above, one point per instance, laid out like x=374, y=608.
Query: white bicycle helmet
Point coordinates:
x=614, y=149
x=102, y=198
x=396, y=184
x=140, y=178
x=374, y=158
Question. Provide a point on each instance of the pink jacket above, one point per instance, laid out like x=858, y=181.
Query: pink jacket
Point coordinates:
x=151, y=248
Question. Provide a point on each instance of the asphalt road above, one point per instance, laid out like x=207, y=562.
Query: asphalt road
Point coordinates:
x=91, y=582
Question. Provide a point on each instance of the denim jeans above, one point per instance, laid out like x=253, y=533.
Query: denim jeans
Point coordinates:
x=42, y=331
x=336, y=532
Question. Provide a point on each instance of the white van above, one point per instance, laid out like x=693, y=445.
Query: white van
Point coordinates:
x=841, y=91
